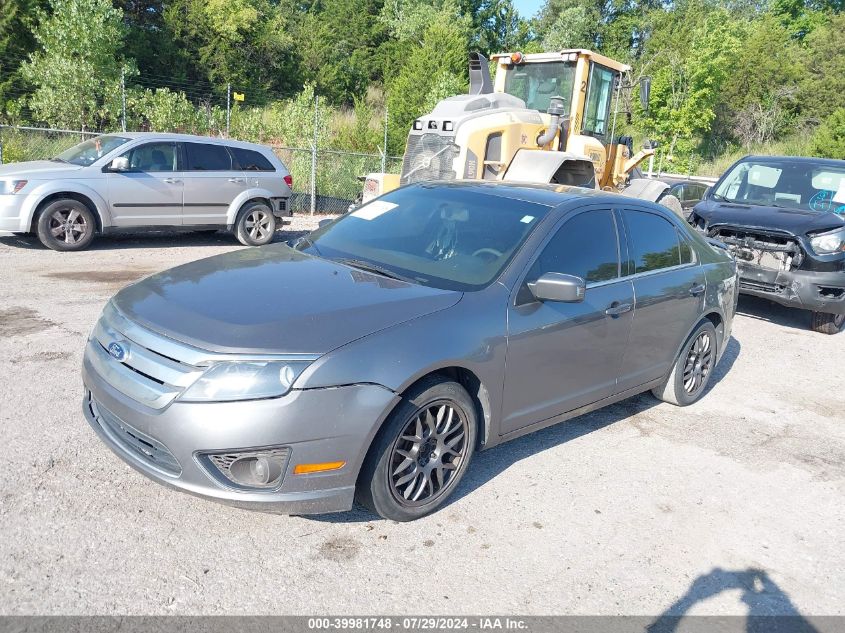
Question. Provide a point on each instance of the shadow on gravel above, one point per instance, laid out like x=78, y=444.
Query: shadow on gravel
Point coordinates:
x=769, y=607
x=487, y=465
x=765, y=310
x=150, y=239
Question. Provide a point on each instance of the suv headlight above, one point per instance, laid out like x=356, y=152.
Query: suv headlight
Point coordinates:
x=12, y=186
x=828, y=243
x=245, y=380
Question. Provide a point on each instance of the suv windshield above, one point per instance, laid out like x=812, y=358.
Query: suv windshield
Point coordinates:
x=91, y=150
x=537, y=83
x=798, y=185
x=446, y=237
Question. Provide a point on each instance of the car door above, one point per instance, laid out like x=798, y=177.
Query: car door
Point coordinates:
x=150, y=192
x=212, y=182
x=669, y=287
x=562, y=356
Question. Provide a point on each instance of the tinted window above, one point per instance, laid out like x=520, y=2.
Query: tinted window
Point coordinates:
x=248, y=160
x=585, y=246
x=654, y=241
x=207, y=157
x=686, y=252
x=153, y=157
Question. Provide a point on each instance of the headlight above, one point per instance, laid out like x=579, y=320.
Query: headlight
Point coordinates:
x=12, y=186
x=829, y=242
x=245, y=380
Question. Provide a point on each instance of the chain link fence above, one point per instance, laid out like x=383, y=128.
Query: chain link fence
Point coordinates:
x=324, y=180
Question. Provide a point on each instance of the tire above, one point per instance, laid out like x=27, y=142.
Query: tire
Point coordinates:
x=693, y=369
x=825, y=323
x=66, y=225
x=256, y=224
x=421, y=453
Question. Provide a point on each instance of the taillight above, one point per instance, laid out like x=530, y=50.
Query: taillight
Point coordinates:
x=289, y=181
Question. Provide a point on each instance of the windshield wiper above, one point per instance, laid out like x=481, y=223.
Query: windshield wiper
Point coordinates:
x=718, y=196
x=306, y=241
x=372, y=268
x=58, y=160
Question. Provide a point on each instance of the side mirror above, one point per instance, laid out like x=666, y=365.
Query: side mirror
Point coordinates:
x=558, y=287
x=121, y=163
x=645, y=92
x=706, y=192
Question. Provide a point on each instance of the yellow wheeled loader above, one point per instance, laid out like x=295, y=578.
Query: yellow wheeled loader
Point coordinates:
x=547, y=119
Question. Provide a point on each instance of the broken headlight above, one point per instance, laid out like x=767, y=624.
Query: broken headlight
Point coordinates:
x=828, y=243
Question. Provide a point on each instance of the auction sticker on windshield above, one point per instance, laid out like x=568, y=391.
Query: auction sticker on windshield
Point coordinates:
x=373, y=210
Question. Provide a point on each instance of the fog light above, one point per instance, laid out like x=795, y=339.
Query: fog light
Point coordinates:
x=261, y=469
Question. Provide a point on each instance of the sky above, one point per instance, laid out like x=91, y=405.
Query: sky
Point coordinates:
x=527, y=8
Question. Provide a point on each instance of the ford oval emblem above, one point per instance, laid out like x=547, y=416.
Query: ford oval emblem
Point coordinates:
x=120, y=351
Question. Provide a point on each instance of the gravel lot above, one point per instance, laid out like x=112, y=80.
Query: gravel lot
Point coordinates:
x=733, y=505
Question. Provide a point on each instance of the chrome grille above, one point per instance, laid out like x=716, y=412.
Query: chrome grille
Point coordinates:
x=429, y=157
x=134, y=442
x=154, y=371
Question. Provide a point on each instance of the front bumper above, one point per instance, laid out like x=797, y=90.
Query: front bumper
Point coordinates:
x=811, y=290
x=12, y=217
x=318, y=425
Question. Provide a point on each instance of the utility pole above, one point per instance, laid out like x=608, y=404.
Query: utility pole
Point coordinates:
x=123, y=97
x=384, y=153
x=228, y=106
x=314, y=156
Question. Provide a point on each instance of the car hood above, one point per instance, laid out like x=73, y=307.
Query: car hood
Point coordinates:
x=37, y=169
x=796, y=222
x=274, y=300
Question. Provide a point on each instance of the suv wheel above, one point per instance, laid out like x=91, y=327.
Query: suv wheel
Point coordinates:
x=825, y=323
x=66, y=225
x=422, y=452
x=693, y=369
x=256, y=224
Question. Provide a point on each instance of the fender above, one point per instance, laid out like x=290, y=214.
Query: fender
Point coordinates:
x=244, y=197
x=50, y=187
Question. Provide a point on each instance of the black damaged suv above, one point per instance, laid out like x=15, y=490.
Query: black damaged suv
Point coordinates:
x=783, y=218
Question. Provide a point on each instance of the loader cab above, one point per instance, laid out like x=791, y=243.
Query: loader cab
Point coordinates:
x=584, y=80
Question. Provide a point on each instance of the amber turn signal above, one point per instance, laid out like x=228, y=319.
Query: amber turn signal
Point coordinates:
x=305, y=469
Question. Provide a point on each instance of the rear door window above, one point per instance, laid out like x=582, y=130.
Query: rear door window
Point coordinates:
x=250, y=160
x=207, y=157
x=586, y=246
x=653, y=242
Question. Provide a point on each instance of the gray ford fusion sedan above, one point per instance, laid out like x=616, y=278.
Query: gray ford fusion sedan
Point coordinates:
x=374, y=357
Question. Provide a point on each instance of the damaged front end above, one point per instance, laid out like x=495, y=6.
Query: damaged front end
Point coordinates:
x=778, y=266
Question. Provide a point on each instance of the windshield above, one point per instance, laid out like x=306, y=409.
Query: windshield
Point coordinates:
x=800, y=185
x=445, y=237
x=91, y=150
x=537, y=83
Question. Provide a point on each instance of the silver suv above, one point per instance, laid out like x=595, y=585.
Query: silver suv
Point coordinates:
x=145, y=179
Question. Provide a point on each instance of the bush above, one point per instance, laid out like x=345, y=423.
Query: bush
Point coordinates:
x=829, y=139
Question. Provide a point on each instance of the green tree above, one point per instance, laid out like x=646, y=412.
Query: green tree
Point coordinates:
x=829, y=139
x=77, y=72
x=436, y=67
x=822, y=89
x=691, y=60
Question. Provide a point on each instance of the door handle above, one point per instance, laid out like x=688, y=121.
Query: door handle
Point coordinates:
x=697, y=290
x=171, y=181
x=238, y=180
x=616, y=309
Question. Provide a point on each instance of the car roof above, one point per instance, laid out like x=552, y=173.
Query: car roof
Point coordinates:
x=172, y=136
x=539, y=193
x=830, y=162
